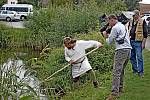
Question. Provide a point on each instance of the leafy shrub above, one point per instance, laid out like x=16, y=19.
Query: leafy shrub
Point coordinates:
x=10, y=37
x=102, y=59
x=65, y=19
x=111, y=7
x=11, y=85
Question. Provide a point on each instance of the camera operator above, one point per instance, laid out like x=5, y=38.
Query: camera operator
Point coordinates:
x=104, y=23
x=120, y=35
x=107, y=28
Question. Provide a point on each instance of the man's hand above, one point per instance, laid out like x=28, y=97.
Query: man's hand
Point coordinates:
x=71, y=62
x=105, y=34
x=143, y=43
x=100, y=46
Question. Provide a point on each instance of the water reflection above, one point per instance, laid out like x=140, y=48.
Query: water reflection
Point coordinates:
x=23, y=75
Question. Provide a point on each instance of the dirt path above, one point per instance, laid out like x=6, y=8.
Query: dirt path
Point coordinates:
x=19, y=24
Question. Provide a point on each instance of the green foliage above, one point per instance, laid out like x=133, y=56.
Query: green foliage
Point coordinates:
x=2, y=2
x=3, y=37
x=10, y=83
x=111, y=7
x=26, y=97
x=52, y=62
x=35, y=3
x=49, y=26
x=132, y=4
x=10, y=37
x=60, y=2
x=102, y=60
x=69, y=19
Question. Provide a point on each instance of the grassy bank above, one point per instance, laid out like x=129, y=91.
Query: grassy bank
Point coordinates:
x=135, y=88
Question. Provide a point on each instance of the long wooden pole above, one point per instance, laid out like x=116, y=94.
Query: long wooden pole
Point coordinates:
x=68, y=65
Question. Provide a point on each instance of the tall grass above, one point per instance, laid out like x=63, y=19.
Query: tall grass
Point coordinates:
x=10, y=37
x=11, y=85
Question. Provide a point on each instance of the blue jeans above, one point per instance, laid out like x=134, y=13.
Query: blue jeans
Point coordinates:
x=136, y=57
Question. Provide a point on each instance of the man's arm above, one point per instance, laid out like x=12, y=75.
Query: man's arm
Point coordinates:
x=145, y=34
x=90, y=44
x=67, y=58
x=110, y=38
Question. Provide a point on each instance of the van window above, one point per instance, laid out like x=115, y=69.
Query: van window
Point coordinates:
x=17, y=9
x=4, y=12
x=2, y=8
x=10, y=12
x=147, y=15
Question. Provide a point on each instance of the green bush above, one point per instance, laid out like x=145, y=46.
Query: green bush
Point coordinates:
x=49, y=26
x=65, y=19
x=10, y=37
x=111, y=7
x=102, y=59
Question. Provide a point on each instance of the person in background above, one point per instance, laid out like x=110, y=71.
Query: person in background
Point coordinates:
x=148, y=25
x=120, y=36
x=138, y=36
x=75, y=49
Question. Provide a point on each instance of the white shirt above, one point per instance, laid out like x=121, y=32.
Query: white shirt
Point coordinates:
x=82, y=65
x=79, y=49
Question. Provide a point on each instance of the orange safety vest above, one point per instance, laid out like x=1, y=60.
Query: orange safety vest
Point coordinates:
x=139, y=30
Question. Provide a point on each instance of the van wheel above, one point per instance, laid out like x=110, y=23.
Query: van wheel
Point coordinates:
x=22, y=17
x=8, y=19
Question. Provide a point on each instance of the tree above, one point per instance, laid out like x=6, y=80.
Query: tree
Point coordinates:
x=2, y=2
x=132, y=4
x=36, y=3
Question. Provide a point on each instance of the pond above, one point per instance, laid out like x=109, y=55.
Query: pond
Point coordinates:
x=16, y=76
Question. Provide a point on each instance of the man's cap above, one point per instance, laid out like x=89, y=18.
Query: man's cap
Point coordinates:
x=136, y=12
x=69, y=40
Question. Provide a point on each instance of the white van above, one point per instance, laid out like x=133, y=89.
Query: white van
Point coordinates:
x=22, y=9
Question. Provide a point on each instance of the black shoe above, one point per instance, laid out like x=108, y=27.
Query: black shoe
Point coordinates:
x=95, y=84
x=121, y=90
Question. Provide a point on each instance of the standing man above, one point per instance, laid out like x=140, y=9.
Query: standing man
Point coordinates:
x=138, y=35
x=122, y=53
